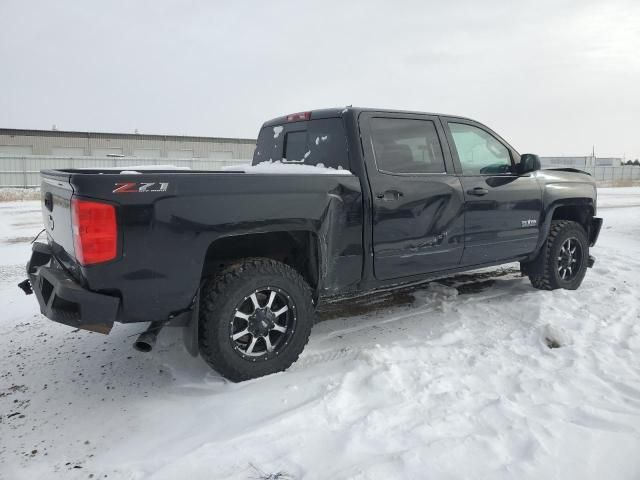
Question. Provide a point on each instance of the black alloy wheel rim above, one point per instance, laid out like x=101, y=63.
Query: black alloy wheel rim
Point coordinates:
x=262, y=324
x=569, y=259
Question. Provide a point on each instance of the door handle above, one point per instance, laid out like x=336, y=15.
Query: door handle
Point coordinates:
x=478, y=191
x=389, y=195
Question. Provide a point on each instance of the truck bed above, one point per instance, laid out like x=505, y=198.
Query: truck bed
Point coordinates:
x=168, y=221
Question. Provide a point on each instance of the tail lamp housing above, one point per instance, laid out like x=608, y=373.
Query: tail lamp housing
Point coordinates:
x=95, y=231
x=298, y=117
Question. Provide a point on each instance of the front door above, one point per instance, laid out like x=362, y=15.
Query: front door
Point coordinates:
x=502, y=208
x=417, y=211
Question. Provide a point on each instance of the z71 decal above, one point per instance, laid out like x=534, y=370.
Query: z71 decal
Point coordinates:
x=141, y=187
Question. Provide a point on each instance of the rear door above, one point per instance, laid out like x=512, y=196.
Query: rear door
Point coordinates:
x=502, y=208
x=417, y=210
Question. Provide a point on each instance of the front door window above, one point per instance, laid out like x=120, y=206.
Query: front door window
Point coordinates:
x=479, y=152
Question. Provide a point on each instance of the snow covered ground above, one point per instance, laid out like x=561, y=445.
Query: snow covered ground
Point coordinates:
x=452, y=379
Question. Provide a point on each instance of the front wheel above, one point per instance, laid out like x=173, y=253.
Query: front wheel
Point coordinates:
x=255, y=319
x=563, y=259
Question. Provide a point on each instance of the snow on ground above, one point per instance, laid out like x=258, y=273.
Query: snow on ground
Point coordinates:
x=452, y=379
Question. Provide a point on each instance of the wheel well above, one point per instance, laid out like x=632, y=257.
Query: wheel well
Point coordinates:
x=580, y=214
x=296, y=249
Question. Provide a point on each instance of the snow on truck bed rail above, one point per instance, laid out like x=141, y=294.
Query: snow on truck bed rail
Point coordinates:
x=269, y=166
x=136, y=169
x=278, y=167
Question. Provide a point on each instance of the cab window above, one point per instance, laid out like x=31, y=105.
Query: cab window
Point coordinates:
x=478, y=151
x=403, y=145
x=315, y=142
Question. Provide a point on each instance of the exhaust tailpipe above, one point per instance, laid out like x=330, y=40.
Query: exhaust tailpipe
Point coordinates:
x=147, y=339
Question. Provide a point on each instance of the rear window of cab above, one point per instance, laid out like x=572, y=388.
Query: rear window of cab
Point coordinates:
x=313, y=142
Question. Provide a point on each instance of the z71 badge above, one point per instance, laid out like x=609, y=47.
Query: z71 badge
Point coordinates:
x=529, y=223
x=141, y=187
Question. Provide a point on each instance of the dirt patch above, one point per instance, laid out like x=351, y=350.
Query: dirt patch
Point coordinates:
x=467, y=283
x=12, y=273
x=18, y=194
x=13, y=389
x=27, y=224
x=474, y=287
x=15, y=240
x=363, y=305
x=618, y=183
x=555, y=337
x=552, y=342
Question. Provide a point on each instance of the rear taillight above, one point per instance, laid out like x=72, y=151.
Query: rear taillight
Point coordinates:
x=95, y=233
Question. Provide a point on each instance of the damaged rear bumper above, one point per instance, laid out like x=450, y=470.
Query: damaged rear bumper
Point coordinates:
x=62, y=299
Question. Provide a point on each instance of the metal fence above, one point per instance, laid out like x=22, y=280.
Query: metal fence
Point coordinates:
x=618, y=176
x=24, y=171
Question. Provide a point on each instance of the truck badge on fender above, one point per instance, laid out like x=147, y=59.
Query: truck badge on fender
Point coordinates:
x=529, y=223
x=134, y=187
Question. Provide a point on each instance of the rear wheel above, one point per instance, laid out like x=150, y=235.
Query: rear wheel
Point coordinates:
x=563, y=259
x=255, y=319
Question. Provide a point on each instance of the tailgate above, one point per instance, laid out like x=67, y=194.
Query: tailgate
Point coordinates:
x=56, y=209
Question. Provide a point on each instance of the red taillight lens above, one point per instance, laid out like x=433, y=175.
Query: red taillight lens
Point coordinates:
x=298, y=117
x=95, y=233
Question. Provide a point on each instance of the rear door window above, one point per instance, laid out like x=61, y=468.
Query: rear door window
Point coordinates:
x=315, y=142
x=403, y=145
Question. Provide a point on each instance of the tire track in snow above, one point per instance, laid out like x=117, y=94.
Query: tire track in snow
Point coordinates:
x=442, y=298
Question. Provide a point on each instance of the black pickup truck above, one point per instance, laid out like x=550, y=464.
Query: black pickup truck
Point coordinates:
x=240, y=259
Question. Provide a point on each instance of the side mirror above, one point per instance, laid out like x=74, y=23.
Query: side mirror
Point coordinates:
x=529, y=162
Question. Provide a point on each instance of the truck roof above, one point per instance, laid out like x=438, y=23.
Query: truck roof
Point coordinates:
x=340, y=111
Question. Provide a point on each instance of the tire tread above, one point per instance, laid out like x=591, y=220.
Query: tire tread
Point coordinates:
x=539, y=271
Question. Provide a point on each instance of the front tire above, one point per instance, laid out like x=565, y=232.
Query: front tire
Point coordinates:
x=563, y=259
x=255, y=319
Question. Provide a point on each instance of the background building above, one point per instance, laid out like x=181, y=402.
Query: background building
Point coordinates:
x=607, y=171
x=23, y=153
x=55, y=143
x=580, y=162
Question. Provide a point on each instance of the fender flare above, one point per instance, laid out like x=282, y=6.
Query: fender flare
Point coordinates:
x=569, y=202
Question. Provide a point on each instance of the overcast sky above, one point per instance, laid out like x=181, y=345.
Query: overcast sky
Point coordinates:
x=552, y=77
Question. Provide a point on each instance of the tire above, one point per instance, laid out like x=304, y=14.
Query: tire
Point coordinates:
x=226, y=305
x=553, y=268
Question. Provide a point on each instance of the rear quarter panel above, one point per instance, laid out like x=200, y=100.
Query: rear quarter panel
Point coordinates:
x=166, y=234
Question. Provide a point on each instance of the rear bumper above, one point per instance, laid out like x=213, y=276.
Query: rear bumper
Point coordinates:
x=62, y=299
x=594, y=230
